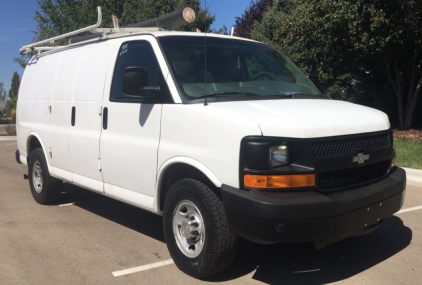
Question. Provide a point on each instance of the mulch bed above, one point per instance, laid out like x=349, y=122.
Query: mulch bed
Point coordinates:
x=408, y=135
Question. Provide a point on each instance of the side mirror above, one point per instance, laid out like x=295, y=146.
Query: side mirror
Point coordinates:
x=135, y=83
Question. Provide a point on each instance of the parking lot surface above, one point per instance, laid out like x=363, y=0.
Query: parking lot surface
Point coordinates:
x=90, y=239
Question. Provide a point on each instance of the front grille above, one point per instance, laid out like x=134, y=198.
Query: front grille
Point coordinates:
x=346, y=177
x=349, y=145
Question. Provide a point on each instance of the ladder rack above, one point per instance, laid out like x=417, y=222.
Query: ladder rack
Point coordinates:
x=32, y=47
x=179, y=17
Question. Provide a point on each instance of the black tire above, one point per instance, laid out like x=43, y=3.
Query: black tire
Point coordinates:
x=219, y=246
x=44, y=188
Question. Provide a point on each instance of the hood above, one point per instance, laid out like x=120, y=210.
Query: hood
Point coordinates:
x=301, y=118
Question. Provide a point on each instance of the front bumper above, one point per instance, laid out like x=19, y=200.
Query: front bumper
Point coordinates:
x=269, y=217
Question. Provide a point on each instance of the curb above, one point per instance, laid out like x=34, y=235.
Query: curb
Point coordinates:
x=414, y=176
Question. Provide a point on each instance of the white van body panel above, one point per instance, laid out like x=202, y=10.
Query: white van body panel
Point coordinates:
x=43, y=145
x=129, y=145
x=131, y=197
x=301, y=118
x=206, y=134
x=34, y=100
x=84, y=138
x=61, y=113
x=184, y=160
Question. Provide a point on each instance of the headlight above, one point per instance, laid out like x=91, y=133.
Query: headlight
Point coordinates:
x=278, y=156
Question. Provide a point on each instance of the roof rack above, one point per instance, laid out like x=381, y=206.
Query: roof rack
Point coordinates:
x=177, y=18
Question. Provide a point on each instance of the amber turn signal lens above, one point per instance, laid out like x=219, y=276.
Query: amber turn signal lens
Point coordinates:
x=282, y=181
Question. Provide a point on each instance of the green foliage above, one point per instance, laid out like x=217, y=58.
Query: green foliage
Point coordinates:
x=360, y=51
x=8, y=100
x=22, y=61
x=11, y=104
x=14, y=87
x=63, y=16
x=254, y=13
x=57, y=17
x=222, y=31
x=3, y=99
x=203, y=20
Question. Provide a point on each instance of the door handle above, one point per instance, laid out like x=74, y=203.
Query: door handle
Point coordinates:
x=73, y=116
x=105, y=118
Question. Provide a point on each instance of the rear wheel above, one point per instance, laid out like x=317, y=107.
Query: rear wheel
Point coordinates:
x=196, y=229
x=44, y=188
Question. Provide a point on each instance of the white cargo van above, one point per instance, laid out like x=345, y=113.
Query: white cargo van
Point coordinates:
x=223, y=136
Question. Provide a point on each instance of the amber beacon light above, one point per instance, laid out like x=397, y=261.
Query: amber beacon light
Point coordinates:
x=279, y=181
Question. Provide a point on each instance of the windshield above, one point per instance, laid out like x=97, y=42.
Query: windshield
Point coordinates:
x=231, y=69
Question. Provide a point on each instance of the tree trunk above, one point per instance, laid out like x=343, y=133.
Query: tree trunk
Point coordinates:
x=399, y=93
x=397, y=87
x=414, y=67
x=411, y=110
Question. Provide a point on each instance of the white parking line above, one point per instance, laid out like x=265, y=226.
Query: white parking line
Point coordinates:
x=142, y=268
x=64, y=205
x=409, y=210
x=81, y=202
x=307, y=271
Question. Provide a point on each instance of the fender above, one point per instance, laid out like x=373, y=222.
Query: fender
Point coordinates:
x=185, y=160
x=28, y=139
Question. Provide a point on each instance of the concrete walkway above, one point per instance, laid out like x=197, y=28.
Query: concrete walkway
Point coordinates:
x=414, y=176
x=7, y=138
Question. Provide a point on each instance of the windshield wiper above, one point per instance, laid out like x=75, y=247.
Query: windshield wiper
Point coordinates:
x=228, y=93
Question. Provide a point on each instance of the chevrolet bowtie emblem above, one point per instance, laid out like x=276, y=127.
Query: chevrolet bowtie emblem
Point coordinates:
x=360, y=158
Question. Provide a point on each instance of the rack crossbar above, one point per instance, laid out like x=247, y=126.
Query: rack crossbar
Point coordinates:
x=28, y=48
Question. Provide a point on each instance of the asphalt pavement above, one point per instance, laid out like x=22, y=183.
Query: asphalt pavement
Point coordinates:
x=87, y=238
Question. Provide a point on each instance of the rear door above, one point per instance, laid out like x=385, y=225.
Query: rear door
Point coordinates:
x=131, y=129
x=85, y=113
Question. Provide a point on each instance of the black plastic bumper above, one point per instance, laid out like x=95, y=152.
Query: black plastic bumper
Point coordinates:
x=265, y=217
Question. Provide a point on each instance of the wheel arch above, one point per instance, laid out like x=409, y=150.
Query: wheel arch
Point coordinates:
x=33, y=141
x=176, y=169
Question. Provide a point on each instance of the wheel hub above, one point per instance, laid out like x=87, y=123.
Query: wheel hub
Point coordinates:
x=188, y=229
x=37, y=177
x=189, y=226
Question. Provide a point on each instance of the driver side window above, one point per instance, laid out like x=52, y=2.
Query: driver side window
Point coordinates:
x=138, y=54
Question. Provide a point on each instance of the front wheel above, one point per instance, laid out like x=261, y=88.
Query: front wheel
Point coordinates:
x=196, y=229
x=45, y=189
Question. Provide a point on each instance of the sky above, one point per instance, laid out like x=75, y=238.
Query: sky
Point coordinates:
x=16, y=24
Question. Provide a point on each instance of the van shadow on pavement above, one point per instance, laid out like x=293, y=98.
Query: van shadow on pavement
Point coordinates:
x=131, y=217
x=303, y=264
x=274, y=264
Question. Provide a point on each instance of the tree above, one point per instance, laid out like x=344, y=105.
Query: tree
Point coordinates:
x=57, y=17
x=253, y=13
x=14, y=87
x=11, y=102
x=62, y=16
x=394, y=38
x=355, y=50
x=3, y=99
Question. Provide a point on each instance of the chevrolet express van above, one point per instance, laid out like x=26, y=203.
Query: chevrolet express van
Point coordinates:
x=222, y=136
